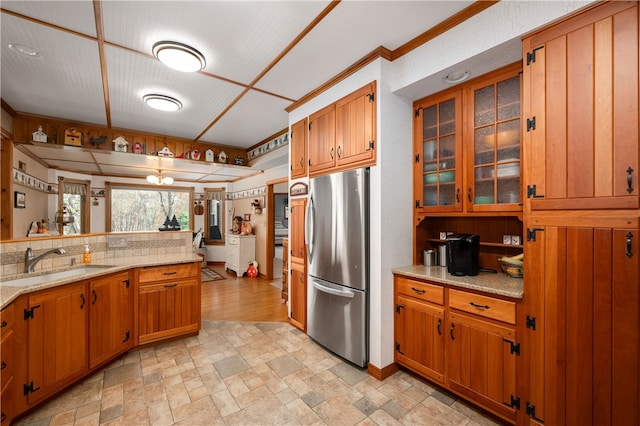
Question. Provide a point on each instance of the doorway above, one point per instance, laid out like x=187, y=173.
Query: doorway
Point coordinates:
x=277, y=225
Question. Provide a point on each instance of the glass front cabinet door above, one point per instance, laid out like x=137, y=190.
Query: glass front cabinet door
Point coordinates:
x=438, y=153
x=492, y=143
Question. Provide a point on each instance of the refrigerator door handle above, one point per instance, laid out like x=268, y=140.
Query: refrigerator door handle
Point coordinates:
x=335, y=292
x=309, y=225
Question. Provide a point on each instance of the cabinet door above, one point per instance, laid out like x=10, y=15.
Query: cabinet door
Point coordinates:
x=582, y=363
x=493, y=148
x=296, y=230
x=298, y=159
x=581, y=106
x=298, y=295
x=419, y=334
x=169, y=308
x=57, y=339
x=8, y=353
x=322, y=134
x=481, y=362
x=438, y=153
x=110, y=317
x=356, y=127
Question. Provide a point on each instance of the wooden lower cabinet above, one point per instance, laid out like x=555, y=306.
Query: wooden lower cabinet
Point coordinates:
x=469, y=353
x=110, y=317
x=169, y=306
x=581, y=366
x=57, y=339
x=7, y=364
x=285, y=270
x=298, y=295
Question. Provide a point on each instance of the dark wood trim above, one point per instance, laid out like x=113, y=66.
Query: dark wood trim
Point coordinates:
x=7, y=107
x=97, y=12
x=6, y=189
x=382, y=373
x=275, y=135
x=443, y=27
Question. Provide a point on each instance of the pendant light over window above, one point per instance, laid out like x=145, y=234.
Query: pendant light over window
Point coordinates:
x=179, y=56
x=159, y=179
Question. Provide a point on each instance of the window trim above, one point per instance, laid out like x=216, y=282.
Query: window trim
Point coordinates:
x=110, y=185
x=85, y=216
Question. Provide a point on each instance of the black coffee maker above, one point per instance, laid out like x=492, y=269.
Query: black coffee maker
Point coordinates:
x=463, y=251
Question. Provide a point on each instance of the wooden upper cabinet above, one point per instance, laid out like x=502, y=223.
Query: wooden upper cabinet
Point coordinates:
x=342, y=135
x=298, y=159
x=438, y=153
x=581, y=111
x=296, y=235
x=322, y=135
x=356, y=127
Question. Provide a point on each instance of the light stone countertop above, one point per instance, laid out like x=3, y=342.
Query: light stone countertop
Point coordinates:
x=9, y=293
x=486, y=282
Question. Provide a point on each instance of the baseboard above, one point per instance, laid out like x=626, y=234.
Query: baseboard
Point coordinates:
x=382, y=373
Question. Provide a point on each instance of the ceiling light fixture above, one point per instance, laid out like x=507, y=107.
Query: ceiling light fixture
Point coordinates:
x=162, y=102
x=179, y=56
x=456, y=77
x=25, y=50
x=159, y=179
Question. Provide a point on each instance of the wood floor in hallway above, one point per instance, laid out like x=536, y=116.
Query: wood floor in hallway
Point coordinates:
x=241, y=299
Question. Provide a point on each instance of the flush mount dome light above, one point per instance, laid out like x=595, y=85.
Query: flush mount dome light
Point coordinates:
x=179, y=56
x=162, y=102
x=456, y=77
x=24, y=50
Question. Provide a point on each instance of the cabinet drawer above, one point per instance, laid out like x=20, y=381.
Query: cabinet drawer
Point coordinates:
x=489, y=307
x=6, y=318
x=171, y=272
x=156, y=286
x=419, y=290
x=232, y=239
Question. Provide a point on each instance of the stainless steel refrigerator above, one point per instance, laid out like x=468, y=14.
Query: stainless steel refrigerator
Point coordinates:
x=337, y=237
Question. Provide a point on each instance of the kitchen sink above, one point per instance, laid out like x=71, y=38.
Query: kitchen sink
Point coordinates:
x=29, y=280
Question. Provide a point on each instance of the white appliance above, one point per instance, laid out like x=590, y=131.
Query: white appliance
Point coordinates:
x=337, y=236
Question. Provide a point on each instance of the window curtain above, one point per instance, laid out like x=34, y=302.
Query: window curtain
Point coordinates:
x=75, y=188
x=214, y=195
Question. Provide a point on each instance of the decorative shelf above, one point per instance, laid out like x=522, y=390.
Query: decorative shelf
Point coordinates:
x=24, y=179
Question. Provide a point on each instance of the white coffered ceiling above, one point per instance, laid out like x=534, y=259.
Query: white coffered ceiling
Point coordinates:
x=261, y=57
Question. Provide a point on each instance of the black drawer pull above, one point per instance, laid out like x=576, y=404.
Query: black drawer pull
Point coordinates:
x=439, y=324
x=629, y=180
x=170, y=273
x=479, y=306
x=4, y=324
x=3, y=365
x=451, y=332
x=417, y=290
x=170, y=285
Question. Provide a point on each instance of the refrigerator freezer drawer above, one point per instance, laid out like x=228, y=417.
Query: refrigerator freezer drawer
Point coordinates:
x=337, y=319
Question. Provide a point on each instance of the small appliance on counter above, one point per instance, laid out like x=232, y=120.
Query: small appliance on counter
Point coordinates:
x=463, y=251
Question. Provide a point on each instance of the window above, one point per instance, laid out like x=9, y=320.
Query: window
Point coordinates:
x=72, y=217
x=148, y=208
x=214, y=215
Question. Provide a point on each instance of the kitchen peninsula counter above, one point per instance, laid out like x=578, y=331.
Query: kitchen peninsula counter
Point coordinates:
x=9, y=293
x=486, y=282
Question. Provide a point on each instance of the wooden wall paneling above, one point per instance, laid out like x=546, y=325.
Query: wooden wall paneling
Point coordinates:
x=603, y=108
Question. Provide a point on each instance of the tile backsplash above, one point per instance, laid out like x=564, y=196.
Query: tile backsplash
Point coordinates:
x=136, y=244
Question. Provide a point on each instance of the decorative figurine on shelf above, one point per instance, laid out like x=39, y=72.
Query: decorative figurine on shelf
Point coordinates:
x=39, y=135
x=120, y=144
x=236, y=228
x=194, y=154
x=170, y=224
x=222, y=157
x=208, y=156
x=255, y=207
x=72, y=137
x=165, y=152
x=95, y=142
x=247, y=229
x=239, y=161
x=138, y=148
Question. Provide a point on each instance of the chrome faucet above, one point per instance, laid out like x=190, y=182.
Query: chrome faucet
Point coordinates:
x=30, y=261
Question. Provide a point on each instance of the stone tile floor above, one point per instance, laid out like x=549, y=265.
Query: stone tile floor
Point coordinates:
x=247, y=373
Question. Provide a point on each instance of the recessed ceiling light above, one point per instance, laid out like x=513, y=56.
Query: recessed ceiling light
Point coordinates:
x=179, y=56
x=162, y=102
x=25, y=50
x=456, y=77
